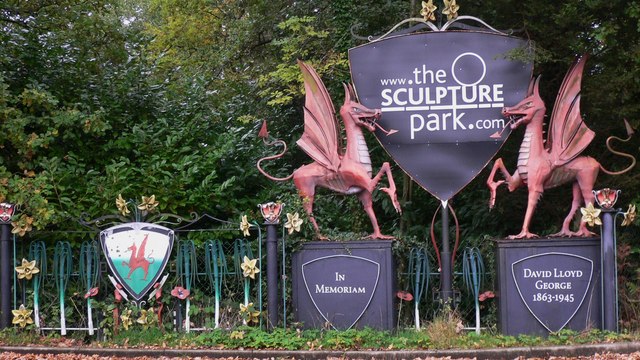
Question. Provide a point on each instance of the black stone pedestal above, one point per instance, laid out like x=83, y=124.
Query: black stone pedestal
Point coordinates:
x=344, y=285
x=546, y=285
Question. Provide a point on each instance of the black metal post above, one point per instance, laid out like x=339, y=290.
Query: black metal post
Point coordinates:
x=609, y=276
x=446, y=287
x=271, y=213
x=5, y=275
x=272, y=276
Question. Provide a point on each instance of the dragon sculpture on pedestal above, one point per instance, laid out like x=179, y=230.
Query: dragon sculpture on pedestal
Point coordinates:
x=556, y=161
x=347, y=172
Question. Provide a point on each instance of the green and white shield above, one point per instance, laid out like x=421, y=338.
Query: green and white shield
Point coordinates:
x=137, y=254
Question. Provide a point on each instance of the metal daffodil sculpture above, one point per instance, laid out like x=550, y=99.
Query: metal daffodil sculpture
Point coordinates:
x=22, y=226
x=629, y=216
x=293, y=223
x=126, y=319
x=121, y=203
x=244, y=226
x=591, y=215
x=148, y=203
x=428, y=11
x=249, y=313
x=27, y=269
x=249, y=268
x=147, y=318
x=451, y=9
x=22, y=316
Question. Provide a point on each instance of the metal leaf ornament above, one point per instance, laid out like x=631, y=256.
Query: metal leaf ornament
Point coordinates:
x=428, y=11
x=27, y=269
x=451, y=9
x=293, y=223
x=249, y=268
x=244, y=226
x=22, y=316
x=629, y=216
x=591, y=215
x=121, y=203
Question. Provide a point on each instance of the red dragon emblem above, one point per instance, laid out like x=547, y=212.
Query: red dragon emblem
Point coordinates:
x=137, y=259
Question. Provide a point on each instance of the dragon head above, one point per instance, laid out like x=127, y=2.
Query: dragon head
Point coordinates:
x=525, y=110
x=361, y=115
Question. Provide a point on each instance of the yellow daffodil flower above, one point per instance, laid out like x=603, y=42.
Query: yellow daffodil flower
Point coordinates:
x=293, y=223
x=591, y=215
x=27, y=269
x=22, y=226
x=249, y=267
x=121, y=203
x=428, y=10
x=244, y=226
x=22, y=316
x=629, y=216
x=148, y=203
x=451, y=9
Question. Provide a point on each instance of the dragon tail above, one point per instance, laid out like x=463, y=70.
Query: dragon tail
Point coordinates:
x=272, y=157
x=630, y=133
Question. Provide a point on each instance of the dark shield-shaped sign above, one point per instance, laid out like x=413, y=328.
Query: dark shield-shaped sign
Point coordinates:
x=443, y=92
x=553, y=286
x=137, y=253
x=341, y=287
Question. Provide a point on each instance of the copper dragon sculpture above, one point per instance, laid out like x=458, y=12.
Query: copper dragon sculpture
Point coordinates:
x=556, y=161
x=347, y=172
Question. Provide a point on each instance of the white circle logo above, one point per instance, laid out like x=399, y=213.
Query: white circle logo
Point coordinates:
x=453, y=69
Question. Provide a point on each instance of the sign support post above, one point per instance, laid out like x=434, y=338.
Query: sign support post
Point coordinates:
x=446, y=292
x=609, y=273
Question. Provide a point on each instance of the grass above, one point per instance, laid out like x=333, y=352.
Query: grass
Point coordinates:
x=440, y=334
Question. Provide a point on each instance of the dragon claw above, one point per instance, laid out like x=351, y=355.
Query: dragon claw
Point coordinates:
x=564, y=233
x=524, y=234
x=394, y=198
x=379, y=236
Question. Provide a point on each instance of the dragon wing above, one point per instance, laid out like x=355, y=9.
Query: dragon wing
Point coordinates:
x=320, y=137
x=568, y=135
x=143, y=247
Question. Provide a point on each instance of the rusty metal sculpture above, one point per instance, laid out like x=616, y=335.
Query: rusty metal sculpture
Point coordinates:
x=556, y=161
x=348, y=172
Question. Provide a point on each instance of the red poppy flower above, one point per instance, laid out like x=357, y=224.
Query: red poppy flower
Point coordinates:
x=486, y=295
x=91, y=293
x=404, y=295
x=180, y=292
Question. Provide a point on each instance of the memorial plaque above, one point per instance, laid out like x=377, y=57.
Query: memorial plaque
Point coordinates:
x=553, y=286
x=344, y=285
x=546, y=285
x=350, y=279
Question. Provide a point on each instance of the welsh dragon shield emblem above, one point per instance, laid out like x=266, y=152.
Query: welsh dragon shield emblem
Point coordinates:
x=137, y=254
